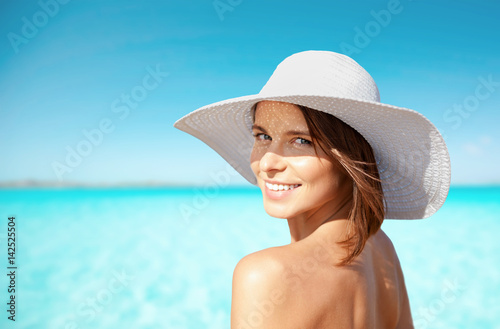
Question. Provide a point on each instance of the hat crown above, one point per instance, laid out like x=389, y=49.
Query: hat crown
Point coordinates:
x=322, y=73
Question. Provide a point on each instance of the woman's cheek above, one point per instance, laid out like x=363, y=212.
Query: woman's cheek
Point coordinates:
x=307, y=168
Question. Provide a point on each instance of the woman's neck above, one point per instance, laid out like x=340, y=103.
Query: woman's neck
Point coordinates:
x=335, y=214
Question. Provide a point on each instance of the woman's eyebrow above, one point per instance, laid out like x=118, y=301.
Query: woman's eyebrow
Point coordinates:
x=259, y=128
x=290, y=132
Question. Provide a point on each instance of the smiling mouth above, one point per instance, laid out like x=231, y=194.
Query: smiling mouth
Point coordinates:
x=281, y=187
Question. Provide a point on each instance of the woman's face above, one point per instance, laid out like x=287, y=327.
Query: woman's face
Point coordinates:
x=294, y=180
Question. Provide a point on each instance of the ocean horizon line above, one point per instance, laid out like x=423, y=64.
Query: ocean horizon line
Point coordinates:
x=36, y=184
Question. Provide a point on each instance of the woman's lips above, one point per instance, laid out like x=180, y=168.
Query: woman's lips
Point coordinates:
x=277, y=195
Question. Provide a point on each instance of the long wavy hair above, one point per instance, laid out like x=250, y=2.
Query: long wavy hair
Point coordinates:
x=343, y=144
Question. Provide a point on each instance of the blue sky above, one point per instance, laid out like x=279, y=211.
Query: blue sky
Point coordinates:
x=66, y=70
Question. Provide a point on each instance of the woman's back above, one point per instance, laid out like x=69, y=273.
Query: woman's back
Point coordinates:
x=298, y=286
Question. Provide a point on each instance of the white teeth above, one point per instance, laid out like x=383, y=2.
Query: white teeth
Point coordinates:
x=281, y=187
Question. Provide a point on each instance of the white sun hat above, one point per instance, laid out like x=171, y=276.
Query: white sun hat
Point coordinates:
x=411, y=154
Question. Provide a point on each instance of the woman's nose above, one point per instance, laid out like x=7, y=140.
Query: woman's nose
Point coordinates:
x=272, y=161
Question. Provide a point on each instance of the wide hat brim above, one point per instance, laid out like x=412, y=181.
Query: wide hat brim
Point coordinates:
x=411, y=154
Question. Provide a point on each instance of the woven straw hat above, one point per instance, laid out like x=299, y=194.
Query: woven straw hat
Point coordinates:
x=411, y=154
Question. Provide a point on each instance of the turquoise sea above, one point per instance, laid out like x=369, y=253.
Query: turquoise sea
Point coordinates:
x=163, y=258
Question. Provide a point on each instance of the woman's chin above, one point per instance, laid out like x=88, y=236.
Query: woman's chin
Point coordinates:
x=277, y=211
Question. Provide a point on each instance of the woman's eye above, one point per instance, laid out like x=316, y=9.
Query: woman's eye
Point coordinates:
x=262, y=136
x=302, y=141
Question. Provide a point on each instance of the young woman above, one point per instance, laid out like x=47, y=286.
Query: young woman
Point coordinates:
x=333, y=161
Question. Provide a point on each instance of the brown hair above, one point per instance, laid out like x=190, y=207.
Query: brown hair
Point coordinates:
x=343, y=144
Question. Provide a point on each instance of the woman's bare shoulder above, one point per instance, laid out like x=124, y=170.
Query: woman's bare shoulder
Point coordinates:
x=384, y=240
x=277, y=284
x=258, y=294
x=259, y=267
x=390, y=282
